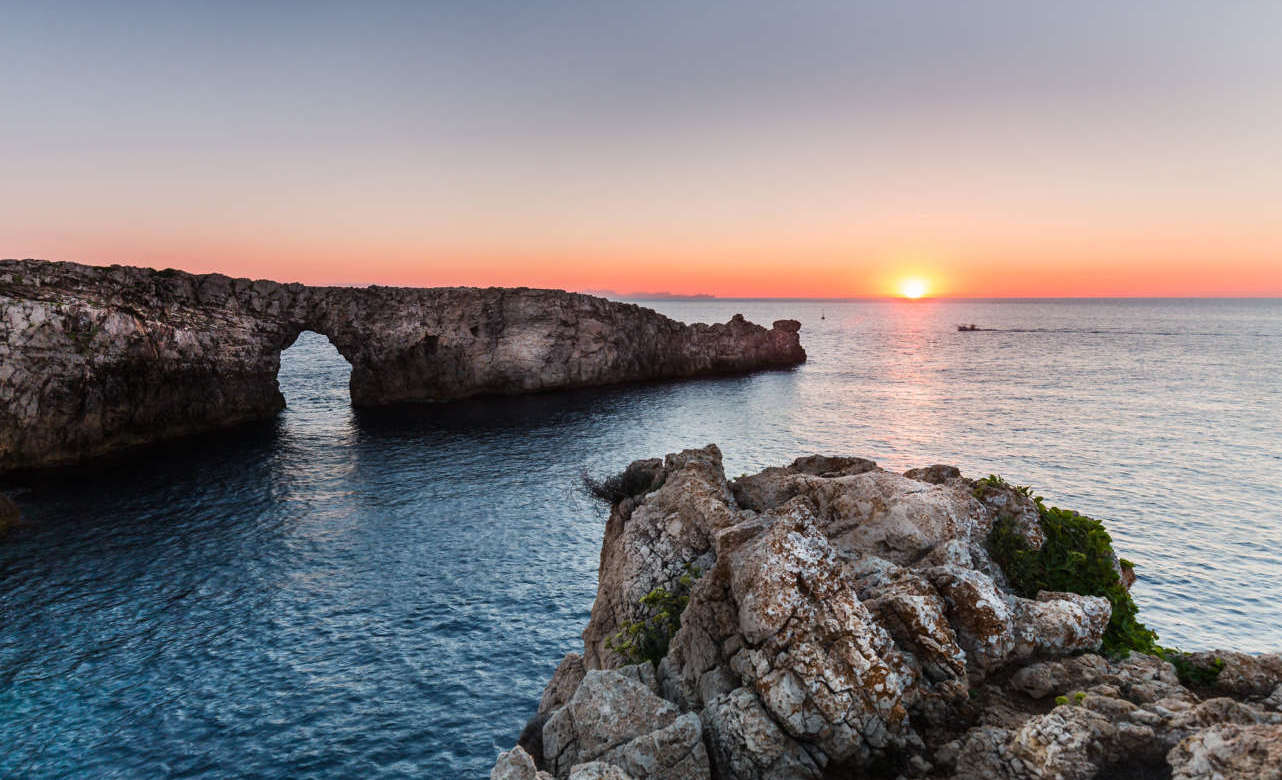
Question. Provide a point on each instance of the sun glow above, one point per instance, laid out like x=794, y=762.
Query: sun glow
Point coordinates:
x=913, y=288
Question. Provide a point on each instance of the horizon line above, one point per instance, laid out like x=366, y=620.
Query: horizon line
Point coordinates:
x=660, y=296
x=944, y=298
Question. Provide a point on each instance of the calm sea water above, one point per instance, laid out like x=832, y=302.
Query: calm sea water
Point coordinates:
x=384, y=594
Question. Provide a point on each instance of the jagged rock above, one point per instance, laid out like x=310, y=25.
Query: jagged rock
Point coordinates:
x=94, y=359
x=1213, y=712
x=1059, y=623
x=697, y=667
x=1144, y=678
x=981, y=755
x=980, y=615
x=1244, y=676
x=831, y=466
x=652, y=546
x=1039, y=680
x=1111, y=727
x=749, y=745
x=643, y=673
x=674, y=752
x=914, y=614
x=1067, y=742
x=516, y=764
x=1274, y=700
x=899, y=519
x=598, y=770
x=771, y=487
x=1229, y=752
x=821, y=665
x=565, y=681
x=849, y=620
x=609, y=709
x=1075, y=743
x=936, y=475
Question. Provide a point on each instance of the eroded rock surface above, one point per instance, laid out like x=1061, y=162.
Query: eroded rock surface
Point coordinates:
x=848, y=622
x=1229, y=750
x=93, y=359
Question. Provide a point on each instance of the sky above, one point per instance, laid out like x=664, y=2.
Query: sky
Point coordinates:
x=750, y=148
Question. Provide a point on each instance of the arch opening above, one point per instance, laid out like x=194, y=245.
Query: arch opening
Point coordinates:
x=313, y=376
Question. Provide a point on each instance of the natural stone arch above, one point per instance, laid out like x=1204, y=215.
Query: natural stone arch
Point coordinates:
x=291, y=344
x=93, y=359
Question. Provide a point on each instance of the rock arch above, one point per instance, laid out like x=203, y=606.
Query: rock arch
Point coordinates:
x=97, y=358
x=286, y=369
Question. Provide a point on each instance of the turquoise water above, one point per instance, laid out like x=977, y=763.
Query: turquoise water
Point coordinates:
x=383, y=594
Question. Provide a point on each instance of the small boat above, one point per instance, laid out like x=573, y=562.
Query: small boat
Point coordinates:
x=967, y=328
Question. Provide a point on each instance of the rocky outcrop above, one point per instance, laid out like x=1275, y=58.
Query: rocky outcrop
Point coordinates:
x=847, y=621
x=93, y=359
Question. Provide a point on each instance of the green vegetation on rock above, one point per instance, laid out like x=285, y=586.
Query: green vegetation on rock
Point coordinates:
x=1077, y=557
x=994, y=481
x=1192, y=673
x=647, y=639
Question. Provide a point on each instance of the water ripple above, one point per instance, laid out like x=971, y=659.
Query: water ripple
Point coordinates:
x=384, y=593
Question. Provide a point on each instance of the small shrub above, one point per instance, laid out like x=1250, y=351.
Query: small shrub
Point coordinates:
x=994, y=481
x=1079, y=697
x=648, y=639
x=1076, y=557
x=1060, y=701
x=613, y=489
x=1190, y=672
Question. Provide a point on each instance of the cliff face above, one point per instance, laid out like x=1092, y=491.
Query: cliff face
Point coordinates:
x=93, y=359
x=846, y=621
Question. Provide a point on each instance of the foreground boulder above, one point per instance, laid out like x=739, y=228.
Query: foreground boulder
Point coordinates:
x=93, y=359
x=840, y=620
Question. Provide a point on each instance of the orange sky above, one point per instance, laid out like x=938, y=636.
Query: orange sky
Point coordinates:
x=1114, y=266
x=996, y=149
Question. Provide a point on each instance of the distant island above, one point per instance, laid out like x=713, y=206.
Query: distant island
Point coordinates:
x=651, y=296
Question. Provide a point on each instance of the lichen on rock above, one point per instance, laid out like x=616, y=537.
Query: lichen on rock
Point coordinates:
x=849, y=621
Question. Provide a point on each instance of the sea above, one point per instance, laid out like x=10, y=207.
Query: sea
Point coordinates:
x=384, y=593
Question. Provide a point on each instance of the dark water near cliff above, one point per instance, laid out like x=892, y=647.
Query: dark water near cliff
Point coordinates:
x=383, y=595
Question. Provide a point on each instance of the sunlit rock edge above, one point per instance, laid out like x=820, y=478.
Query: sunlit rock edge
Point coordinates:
x=849, y=622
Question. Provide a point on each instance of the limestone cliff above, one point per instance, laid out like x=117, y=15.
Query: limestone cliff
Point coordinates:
x=94, y=358
x=844, y=621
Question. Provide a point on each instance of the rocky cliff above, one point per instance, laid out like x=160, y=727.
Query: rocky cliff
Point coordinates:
x=93, y=359
x=831, y=619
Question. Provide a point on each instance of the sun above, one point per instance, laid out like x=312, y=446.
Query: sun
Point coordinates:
x=913, y=288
